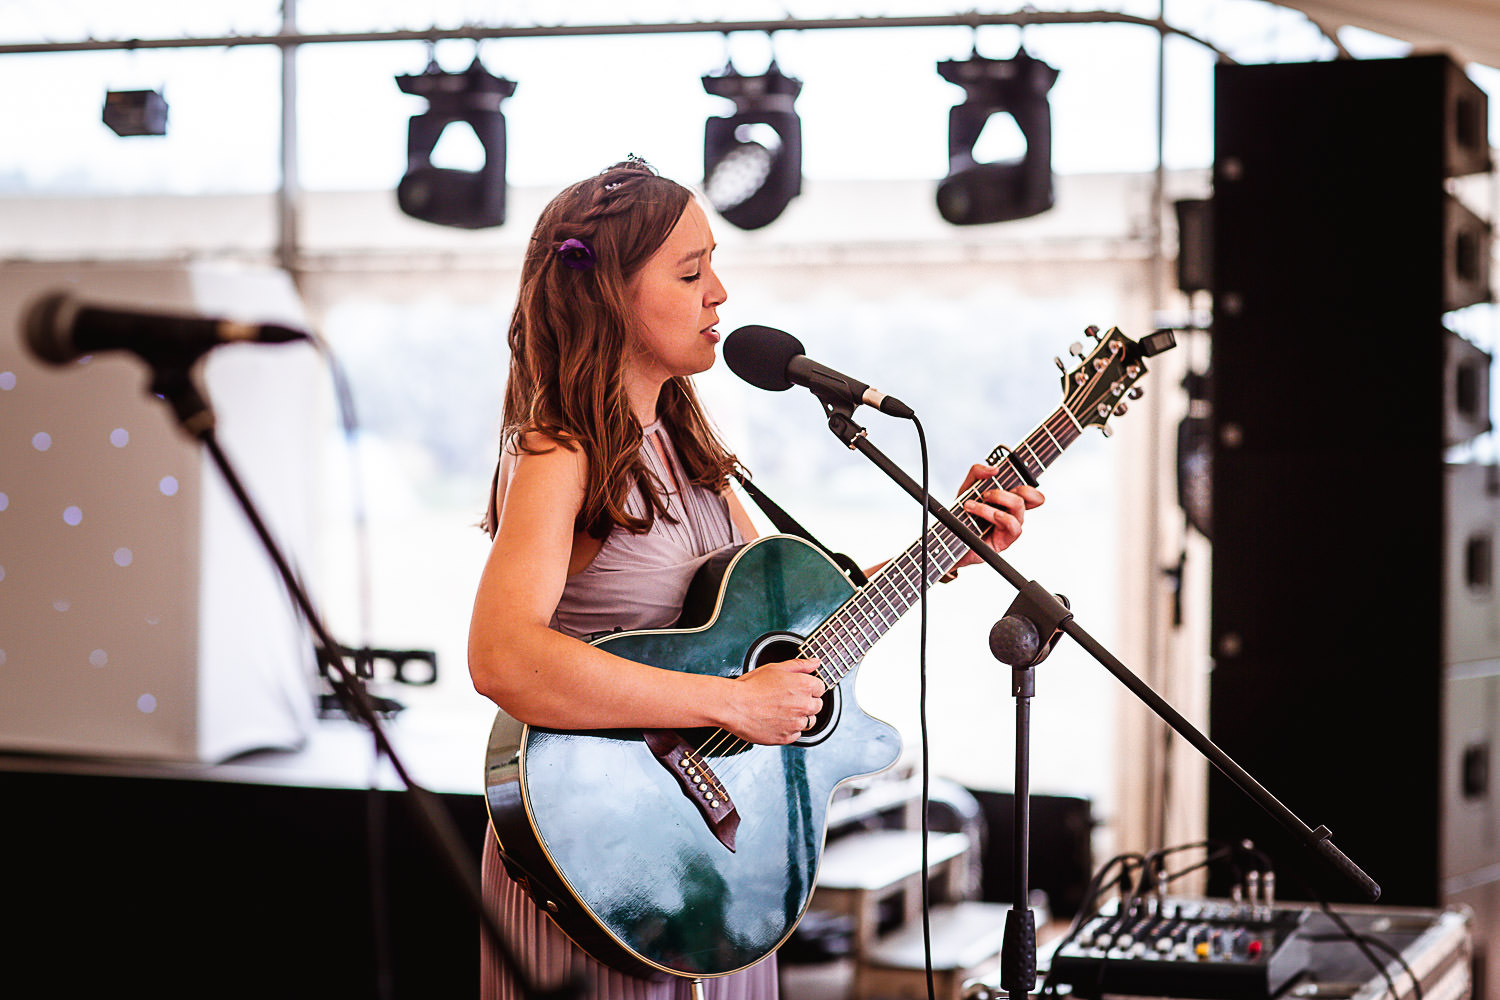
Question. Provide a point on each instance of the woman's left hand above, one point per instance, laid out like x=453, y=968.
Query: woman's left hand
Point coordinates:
x=1002, y=509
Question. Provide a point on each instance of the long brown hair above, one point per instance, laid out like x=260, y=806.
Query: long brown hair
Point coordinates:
x=568, y=339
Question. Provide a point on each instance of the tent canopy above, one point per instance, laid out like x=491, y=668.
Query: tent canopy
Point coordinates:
x=1470, y=29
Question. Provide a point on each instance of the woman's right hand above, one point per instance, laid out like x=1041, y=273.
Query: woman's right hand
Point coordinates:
x=775, y=701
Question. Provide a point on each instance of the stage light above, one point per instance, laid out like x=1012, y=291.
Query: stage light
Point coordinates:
x=974, y=192
x=467, y=199
x=752, y=159
x=136, y=112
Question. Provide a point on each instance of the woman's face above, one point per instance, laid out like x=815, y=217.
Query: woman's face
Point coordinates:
x=676, y=296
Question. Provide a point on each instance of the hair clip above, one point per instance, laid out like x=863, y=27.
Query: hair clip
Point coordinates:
x=576, y=254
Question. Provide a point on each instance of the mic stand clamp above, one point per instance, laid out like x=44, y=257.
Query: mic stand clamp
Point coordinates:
x=840, y=417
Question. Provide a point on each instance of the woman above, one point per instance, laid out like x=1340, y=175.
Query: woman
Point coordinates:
x=611, y=491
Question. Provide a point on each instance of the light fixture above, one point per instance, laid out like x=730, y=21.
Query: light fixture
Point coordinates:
x=752, y=159
x=136, y=112
x=467, y=199
x=973, y=192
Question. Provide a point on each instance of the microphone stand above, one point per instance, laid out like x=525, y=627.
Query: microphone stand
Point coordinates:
x=1040, y=611
x=172, y=381
x=1016, y=640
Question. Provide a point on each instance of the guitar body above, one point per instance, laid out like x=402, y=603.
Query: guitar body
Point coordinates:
x=606, y=839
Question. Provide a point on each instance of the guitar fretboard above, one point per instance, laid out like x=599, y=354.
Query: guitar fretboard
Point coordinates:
x=849, y=633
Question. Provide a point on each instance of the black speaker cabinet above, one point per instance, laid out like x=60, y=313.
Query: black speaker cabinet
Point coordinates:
x=1356, y=629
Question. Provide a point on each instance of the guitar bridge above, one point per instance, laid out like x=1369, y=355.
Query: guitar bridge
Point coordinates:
x=698, y=782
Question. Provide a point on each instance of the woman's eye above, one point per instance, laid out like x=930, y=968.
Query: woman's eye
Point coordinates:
x=692, y=277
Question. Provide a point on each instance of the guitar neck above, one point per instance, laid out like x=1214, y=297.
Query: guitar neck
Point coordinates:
x=844, y=639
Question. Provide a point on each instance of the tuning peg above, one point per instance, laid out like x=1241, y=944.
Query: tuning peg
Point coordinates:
x=1107, y=431
x=1060, y=366
x=1121, y=408
x=1075, y=349
x=1136, y=393
x=1091, y=331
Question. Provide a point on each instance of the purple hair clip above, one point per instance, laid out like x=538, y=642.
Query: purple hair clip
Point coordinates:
x=576, y=254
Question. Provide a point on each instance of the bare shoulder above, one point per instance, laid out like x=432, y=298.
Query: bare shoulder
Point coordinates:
x=540, y=469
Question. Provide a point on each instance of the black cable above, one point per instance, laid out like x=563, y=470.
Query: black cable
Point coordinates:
x=1213, y=856
x=1348, y=932
x=1088, y=907
x=1374, y=942
x=922, y=721
x=1156, y=862
x=1362, y=942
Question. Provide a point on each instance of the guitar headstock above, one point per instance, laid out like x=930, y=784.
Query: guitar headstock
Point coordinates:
x=1104, y=380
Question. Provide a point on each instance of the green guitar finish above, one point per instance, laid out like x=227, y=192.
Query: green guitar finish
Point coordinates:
x=610, y=845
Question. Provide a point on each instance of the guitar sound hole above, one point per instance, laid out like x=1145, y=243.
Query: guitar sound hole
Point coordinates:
x=777, y=648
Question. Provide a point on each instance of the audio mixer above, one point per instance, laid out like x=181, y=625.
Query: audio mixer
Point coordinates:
x=1170, y=948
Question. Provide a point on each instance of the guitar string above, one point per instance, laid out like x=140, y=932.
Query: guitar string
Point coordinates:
x=895, y=577
x=891, y=577
x=1007, y=479
x=839, y=621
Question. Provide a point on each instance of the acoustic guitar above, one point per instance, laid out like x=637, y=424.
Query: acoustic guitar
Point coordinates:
x=693, y=853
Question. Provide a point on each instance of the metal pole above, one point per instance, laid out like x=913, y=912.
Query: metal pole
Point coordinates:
x=291, y=38
x=288, y=248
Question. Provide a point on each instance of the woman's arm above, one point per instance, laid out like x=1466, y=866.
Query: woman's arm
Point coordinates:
x=543, y=677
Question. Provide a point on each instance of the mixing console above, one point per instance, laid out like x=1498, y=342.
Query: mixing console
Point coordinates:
x=1168, y=948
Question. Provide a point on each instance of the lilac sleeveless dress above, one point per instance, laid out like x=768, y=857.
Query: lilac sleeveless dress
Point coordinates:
x=635, y=582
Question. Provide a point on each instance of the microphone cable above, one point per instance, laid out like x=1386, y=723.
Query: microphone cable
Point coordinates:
x=922, y=714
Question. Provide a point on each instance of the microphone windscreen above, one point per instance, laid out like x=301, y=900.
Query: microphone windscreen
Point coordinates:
x=43, y=337
x=760, y=355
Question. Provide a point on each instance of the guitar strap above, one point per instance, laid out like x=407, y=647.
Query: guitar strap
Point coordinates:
x=787, y=525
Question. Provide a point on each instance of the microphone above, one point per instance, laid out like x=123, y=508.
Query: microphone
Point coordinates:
x=773, y=360
x=59, y=329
